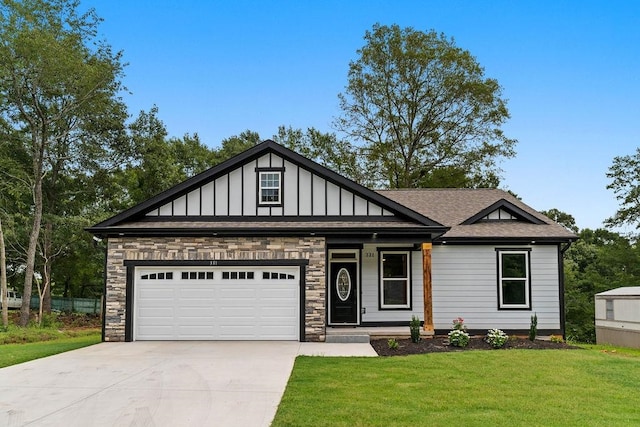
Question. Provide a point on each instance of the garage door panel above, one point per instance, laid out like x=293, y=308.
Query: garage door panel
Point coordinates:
x=205, y=291
x=235, y=308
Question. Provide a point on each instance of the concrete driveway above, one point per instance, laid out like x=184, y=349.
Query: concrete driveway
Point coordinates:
x=157, y=384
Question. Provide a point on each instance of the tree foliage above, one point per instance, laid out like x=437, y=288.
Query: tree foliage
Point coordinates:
x=58, y=96
x=423, y=111
x=625, y=183
x=600, y=260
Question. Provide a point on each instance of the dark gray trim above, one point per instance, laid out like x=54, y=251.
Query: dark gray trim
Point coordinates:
x=509, y=207
x=255, y=152
x=131, y=265
x=104, y=290
x=303, y=303
x=259, y=203
x=443, y=240
x=217, y=263
x=362, y=233
x=499, y=251
x=409, y=284
x=561, y=252
x=274, y=219
x=128, y=307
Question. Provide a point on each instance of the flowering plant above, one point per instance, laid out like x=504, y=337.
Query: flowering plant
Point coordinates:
x=496, y=338
x=458, y=336
x=458, y=324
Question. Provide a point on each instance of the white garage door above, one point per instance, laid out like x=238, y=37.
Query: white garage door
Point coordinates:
x=216, y=303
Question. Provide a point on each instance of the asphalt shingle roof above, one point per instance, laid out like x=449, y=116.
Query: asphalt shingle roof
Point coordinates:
x=451, y=207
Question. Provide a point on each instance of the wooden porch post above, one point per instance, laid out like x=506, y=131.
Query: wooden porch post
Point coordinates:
x=427, y=288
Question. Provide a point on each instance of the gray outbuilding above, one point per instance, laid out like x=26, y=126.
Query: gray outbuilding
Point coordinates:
x=618, y=317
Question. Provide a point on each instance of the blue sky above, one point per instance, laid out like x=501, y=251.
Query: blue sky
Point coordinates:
x=570, y=70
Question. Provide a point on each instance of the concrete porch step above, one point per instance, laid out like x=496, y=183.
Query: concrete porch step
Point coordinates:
x=364, y=334
x=347, y=338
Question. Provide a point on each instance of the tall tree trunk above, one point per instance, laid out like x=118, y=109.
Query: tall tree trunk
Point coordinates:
x=33, y=237
x=47, y=248
x=3, y=279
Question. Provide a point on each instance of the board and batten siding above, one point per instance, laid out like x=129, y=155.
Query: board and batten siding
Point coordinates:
x=465, y=284
x=303, y=193
x=371, y=287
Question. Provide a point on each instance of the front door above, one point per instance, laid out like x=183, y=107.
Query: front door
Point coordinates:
x=343, y=293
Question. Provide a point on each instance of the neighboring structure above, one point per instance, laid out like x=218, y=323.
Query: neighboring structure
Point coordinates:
x=618, y=317
x=271, y=245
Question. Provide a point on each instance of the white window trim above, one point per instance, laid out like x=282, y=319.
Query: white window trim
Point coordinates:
x=526, y=280
x=407, y=279
x=261, y=187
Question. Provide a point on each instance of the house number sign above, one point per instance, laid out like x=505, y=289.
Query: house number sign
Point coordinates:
x=343, y=284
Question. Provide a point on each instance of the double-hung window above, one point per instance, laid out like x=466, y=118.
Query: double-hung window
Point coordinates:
x=514, y=281
x=395, y=283
x=270, y=188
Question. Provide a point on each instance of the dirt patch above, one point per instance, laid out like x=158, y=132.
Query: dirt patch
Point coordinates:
x=440, y=344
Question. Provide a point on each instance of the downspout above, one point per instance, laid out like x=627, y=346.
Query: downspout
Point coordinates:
x=561, y=253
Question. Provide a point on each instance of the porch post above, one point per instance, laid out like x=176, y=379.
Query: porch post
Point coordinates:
x=427, y=288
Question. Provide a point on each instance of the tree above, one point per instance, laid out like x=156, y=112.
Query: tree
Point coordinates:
x=625, y=183
x=58, y=86
x=325, y=149
x=562, y=218
x=158, y=162
x=600, y=260
x=422, y=110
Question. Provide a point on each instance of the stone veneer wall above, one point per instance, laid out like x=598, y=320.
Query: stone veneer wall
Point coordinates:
x=215, y=248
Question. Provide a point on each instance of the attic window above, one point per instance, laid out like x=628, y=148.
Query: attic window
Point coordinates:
x=270, y=187
x=500, y=215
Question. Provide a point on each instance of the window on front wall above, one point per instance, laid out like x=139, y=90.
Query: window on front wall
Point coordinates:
x=394, y=280
x=514, y=279
x=270, y=184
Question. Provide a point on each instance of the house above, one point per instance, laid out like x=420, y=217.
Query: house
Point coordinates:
x=618, y=317
x=270, y=245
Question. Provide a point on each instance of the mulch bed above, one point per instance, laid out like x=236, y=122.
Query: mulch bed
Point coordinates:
x=440, y=344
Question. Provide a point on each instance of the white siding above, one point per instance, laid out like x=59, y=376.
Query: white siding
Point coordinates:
x=235, y=196
x=263, y=162
x=333, y=199
x=166, y=210
x=180, y=206
x=465, y=285
x=193, y=203
x=303, y=194
x=249, y=192
x=207, y=198
x=346, y=202
x=371, y=288
x=221, y=193
x=318, y=191
x=290, y=181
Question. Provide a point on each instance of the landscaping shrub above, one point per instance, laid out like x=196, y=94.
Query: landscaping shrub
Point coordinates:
x=392, y=343
x=458, y=336
x=414, y=328
x=496, y=338
x=533, y=328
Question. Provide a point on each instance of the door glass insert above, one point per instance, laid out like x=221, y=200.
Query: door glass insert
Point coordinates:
x=343, y=284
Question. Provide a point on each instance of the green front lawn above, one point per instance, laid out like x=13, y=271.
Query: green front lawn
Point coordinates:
x=474, y=388
x=12, y=354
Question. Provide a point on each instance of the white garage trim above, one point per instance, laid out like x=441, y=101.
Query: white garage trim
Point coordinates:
x=215, y=300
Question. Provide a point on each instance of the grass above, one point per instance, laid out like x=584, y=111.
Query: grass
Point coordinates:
x=475, y=388
x=12, y=354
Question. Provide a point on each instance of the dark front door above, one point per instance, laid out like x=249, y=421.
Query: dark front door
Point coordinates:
x=343, y=293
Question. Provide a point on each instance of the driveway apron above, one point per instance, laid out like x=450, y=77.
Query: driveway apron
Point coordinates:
x=150, y=384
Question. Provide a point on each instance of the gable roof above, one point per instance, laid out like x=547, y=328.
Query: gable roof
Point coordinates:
x=464, y=210
x=139, y=221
